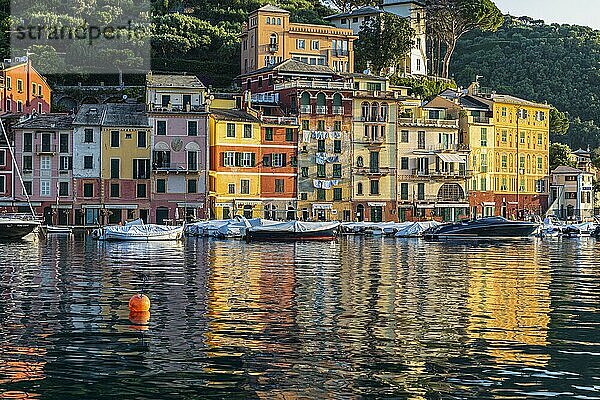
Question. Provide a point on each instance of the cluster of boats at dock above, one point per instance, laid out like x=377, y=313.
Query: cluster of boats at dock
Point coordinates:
x=257, y=229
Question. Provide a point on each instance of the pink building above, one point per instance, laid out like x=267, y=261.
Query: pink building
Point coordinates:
x=177, y=113
x=44, y=154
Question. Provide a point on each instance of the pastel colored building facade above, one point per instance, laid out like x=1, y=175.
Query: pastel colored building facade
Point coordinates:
x=44, y=155
x=177, y=113
x=125, y=172
x=269, y=38
x=234, y=177
x=571, y=194
x=23, y=89
x=87, y=164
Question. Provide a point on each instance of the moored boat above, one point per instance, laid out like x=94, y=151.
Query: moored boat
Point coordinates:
x=491, y=227
x=294, y=230
x=58, y=230
x=17, y=227
x=139, y=233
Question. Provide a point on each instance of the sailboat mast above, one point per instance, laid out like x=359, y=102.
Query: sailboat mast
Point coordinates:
x=12, y=155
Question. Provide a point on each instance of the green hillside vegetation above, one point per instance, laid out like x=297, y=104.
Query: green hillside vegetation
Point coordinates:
x=559, y=64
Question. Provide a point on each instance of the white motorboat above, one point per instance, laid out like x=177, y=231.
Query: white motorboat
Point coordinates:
x=57, y=230
x=139, y=233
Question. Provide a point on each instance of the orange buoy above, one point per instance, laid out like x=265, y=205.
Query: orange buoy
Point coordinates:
x=139, y=319
x=139, y=302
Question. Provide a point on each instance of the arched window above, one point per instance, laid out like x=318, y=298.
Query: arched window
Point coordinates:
x=384, y=111
x=305, y=99
x=359, y=190
x=273, y=38
x=360, y=162
x=321, y=99
x=451, y=192
x=268, y=20
x=365, y=111
x=337, y=103
x=374, y=111
x=278, y=21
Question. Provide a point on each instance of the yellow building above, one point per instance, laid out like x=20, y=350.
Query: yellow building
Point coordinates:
x=509, y=141
x=432, y=165
x=125, y=172
x=270, y=38
x=234, y=177
x=374, y=165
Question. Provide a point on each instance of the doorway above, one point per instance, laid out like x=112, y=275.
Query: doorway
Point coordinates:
x=162, y=213
x=376, y=214
x=48, y=215
x=360, y=213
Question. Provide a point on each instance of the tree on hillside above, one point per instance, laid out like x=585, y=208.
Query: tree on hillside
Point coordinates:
x=383, y=42
x=559, y=122
x=449, y=20
x=560, y=154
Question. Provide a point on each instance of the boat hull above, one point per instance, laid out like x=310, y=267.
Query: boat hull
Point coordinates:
x=110, y=235
x=508, y=230
x=12, y=230
x=324, y=235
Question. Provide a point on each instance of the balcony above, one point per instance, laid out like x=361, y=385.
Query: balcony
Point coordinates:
x=373, y=172
x=479, y=120
x=279, y=120
x=425, y=122
x=175, y=108
x=305, y=84
x=374, y=139
x=265, y=98
x=374, y=118
x=172, y=167
x=441, y=148
x=438, y=174
x=338, y=110
x=45, y=149
x=339, y=53
x=321, y=109
x=273, y=47
x=433, y=199
x=377, y=94
x=305, y=109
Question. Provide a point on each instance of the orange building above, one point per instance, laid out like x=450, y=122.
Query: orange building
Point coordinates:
x=23, y=89
x=278, y=166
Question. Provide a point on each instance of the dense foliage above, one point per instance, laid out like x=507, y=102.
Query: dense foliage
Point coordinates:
x=559, y=64
x=560, y=154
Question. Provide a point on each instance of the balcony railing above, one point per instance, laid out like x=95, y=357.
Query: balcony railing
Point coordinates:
x=375, y=171
x=445, y=123
x=375, y=139
x=268, y=98
x=338, y=110
x=305, y=109
x=479, y=120
x=273, y=47
x=305, y=84
x=378, y=94
x=339, y=53
x=431, y=173
x=45, y=149
x=172, y=167
x=176, y=108
x=321, y=109
x=432, y=199
x=373, y=118
x=279, y=120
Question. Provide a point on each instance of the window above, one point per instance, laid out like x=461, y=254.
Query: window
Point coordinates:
x=141, y=191
x=88, y=190
x=337, y=170
x=88, y=135
x=483, y=163
x=228, y=159
x=269, y=134
x=114, y=190
x=192, y=128
x=192, y=161
x=540, y=140
x=2, y=184
x=46, y=139
x=359, y=189
x=321, y=171
x=421, y=191
x=483, y=184
x=300, y=44
x=404, y=163
x=504, y=111
x=27, y=163
x=483, y=137
x=337, y=194
x=114, y=168
x=571, y=178
x=45, y=188
x=161, y=186
x=539, y=163
x=2, y=158
x=19, y=85
x=279, y=185
x=315, y=45
x=321, y=145
x=321, y=194
x=248, y=160
x=522, y=138
x=65, y=163
x=337, y=126
x=247, y=131
x=404, y=191
x=230, y=130
x=27, y=142
x=268, y=20
x=320, y=125
x=305, y=125
x=114, y=139
x=8, y=105
x=192, y=186
x=404, y=136
x=504, y=135
x=161, y=128
x=504, y=161
x=503, y=186
x=9, y=83
x=63, y=143
x=27, y=188
x=522, y=162
x=360, y=162
x=355, y=20
x=278, y=160
x=344, y=21
x=231, y=188
x=141, y=168
x=421, y=138
x=245, y=186
x=141, y=139
x=45, y=163
x=289, y=135
x=571, y=195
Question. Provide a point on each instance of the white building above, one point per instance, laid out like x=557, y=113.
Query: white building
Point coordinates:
x=416, y=61
x=571, y=194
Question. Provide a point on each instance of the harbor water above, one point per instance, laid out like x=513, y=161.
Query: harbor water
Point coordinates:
x=361, y=317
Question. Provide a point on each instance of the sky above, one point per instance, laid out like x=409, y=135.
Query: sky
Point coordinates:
x=578, y=12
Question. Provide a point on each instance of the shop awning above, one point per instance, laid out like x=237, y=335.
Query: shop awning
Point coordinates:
x=452, y=158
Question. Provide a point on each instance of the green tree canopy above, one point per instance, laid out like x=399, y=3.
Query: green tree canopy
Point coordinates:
x=383, y=42
x=560, y=154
